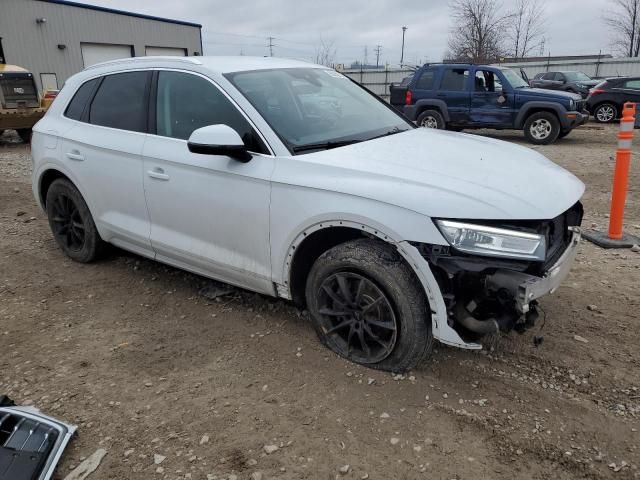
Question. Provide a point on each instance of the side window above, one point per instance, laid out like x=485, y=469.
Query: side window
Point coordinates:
x=186, y=102
x=559, y=77
x=121, y=102
x=454, y=80
x=426, y=80
x=633, y=84
x=487, y=82
x=79, y=101
x=549, y=76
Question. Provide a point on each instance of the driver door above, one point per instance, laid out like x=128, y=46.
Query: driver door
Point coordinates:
x=208, y=213
x=491, y=103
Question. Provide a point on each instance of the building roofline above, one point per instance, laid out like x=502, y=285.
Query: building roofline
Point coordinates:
x=121, y=12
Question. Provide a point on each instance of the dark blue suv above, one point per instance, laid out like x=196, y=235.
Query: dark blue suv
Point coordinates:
x=464, y=96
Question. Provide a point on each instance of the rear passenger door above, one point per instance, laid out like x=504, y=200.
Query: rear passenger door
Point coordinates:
x=631, y=91
x=104, y=151
x=455, y=91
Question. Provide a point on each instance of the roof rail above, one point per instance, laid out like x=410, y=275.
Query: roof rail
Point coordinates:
x=191, y=60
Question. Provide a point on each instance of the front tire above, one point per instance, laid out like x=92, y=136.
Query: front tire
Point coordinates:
x=367, y=306
x=71, y=222
x=605, y=113
x=542, y=128
x=431, y=119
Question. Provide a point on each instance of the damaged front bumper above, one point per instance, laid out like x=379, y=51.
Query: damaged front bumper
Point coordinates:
x=527, y=288
x=487, y=294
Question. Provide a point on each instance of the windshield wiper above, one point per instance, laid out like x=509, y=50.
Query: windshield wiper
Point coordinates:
x=323, y=145
x=393, y=131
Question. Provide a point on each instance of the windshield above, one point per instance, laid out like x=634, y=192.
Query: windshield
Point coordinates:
x=576, y=77
x=514, y=79
x=310, y=107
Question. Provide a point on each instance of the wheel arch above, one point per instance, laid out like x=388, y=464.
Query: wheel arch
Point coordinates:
x=535, y=107
x=433, y=104
x=312, y=242
x=45, y=180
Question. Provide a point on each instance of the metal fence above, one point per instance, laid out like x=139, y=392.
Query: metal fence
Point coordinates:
x=378, y=80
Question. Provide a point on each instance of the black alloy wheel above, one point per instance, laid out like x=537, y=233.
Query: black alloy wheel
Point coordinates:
x=357, y=317
x=67, y=224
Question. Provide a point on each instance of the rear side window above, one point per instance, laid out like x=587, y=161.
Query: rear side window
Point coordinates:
x=80, y=99
x=633, y=84
x=426, y=80
x=121, y=102
x=454, y=80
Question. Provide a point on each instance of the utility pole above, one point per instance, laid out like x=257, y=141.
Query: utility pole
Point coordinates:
x=404, y=29
x=378, y=48
x=366, y=55
x=271, y=45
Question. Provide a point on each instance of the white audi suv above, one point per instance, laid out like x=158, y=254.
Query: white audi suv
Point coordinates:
x=289, y=179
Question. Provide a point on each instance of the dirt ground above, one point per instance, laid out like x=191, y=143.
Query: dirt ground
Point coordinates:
x=131, y=352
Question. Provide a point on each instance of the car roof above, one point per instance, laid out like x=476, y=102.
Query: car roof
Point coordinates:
x=219, y=64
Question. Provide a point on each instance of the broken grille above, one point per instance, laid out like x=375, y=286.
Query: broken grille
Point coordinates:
x=30, y=444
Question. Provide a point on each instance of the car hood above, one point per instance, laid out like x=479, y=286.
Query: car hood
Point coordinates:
x=441, y=174
x=543, y=92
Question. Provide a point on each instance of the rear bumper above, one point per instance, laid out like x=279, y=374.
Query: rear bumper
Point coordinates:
x=411, y=112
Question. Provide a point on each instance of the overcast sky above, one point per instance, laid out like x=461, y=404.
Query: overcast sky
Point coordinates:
x=574, y=27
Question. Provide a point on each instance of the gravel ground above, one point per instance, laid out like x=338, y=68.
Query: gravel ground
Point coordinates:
x=174, y=385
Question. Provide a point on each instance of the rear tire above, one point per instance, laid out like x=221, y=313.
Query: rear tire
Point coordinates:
x=24, y=134
x=605, y=113
x=71, y=222
x=542, y=128
x=367, y=306
x=431, y=119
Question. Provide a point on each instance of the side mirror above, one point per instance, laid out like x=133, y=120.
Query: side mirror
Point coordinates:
x=218, y=140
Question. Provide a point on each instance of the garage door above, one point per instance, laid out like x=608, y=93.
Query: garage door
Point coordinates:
x=93, y=53
x=174, y=52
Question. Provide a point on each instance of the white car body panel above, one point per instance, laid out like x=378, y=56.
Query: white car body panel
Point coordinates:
x=240, y=222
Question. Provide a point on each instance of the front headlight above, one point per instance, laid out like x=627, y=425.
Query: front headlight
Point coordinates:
x=491, y=241
x=572, y=105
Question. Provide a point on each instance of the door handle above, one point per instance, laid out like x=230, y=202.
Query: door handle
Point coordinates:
x=158, y=174
x=75, y=155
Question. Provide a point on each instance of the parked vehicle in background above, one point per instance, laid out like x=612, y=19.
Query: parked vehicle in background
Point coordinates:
x=292, y=180
x=20, y=104
x=465, y=96
x=606, y=99
x=567, y=81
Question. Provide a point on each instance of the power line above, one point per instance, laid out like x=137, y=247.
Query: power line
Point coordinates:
x=271, y=39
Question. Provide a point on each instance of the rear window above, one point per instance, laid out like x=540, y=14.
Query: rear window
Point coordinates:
x=80, y=99
x=454, y=80
x=121, y=102
x=426, y=80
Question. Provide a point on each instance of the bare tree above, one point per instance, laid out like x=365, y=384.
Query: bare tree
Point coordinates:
x=478, y=32
x=624, y=20
x=525, y=31
x=326, y=52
